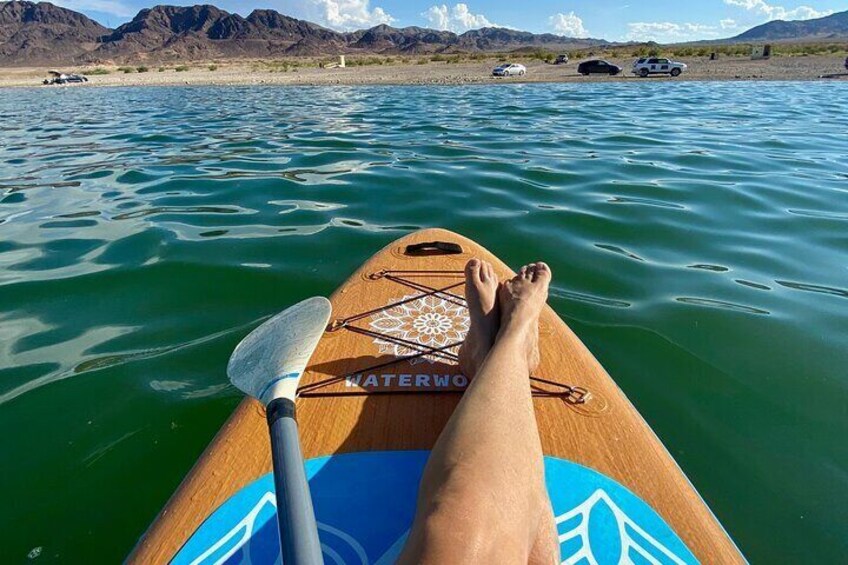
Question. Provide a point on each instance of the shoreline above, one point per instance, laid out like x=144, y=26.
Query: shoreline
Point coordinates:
x=306, y=73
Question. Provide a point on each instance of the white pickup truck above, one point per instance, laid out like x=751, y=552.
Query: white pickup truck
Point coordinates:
x=657, y=66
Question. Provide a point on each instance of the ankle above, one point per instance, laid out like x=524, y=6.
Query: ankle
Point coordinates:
x=518, y=328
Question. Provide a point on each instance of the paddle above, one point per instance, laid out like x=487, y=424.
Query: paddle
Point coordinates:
x=267, y=365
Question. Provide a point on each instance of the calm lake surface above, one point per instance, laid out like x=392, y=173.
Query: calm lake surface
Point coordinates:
x=698, y=234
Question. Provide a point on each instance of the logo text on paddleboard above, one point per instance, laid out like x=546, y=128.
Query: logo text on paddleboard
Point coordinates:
x=406, y=380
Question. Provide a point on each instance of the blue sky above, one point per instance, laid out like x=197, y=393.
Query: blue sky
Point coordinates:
x=615, y=20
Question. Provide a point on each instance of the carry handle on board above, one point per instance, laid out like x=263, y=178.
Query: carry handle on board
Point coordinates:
x=433, y=248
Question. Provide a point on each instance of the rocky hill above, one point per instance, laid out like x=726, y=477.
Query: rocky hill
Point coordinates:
x=206, y=32
x=43, y=33
x=504, y=39
x=202, y=32
x=833, y=27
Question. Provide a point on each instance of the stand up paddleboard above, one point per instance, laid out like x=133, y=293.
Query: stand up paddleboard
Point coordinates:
x=378, y=390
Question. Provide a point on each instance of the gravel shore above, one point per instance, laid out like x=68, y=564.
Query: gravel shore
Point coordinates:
x=474, y=72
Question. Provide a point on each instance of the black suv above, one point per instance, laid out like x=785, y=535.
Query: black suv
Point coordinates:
x=598, y=66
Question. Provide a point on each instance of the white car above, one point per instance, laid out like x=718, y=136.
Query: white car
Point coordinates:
x=509, y=69
x=657, y=66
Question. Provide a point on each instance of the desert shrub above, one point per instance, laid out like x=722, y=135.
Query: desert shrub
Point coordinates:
x=438, y=58
x=142, y=69
x=811, y=49
x=161, y=69
x=285, y=65
x=365, y=61
x=98, y=71
x=542, y=55
x=213, y=67
x=423, y=61
x=735, y=50
x=126, y=70
x=181, y=68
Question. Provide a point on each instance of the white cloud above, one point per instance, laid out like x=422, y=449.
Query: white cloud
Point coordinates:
x=351, y=14
x=343, y=15
x=729, y=23
x=772, y=12
x=457, y=19
x=568, y=24
x=112, y=7
x=669, y=32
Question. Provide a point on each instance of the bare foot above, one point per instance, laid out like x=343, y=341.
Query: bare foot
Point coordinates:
x=521, y=301
x=481, y=292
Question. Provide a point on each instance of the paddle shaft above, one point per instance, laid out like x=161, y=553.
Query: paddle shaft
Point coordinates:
x=299, y=541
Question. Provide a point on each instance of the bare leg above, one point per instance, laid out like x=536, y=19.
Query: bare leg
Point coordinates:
x=482, y=496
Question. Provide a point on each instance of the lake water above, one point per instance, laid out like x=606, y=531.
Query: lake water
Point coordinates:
x=698, y=233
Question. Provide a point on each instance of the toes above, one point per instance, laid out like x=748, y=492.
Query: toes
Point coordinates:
x=542, y=272
x=472, y=270
x=490, y=272
x=485, y=271
x=505, y=290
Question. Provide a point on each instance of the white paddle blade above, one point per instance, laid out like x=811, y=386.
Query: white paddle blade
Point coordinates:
x=268, y=363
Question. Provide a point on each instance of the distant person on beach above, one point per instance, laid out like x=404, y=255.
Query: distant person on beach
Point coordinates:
x=482, y=497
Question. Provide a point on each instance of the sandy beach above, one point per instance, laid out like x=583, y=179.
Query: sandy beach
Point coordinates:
x=307, y=72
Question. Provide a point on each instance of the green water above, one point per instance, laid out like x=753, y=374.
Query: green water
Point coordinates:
x=698, y=234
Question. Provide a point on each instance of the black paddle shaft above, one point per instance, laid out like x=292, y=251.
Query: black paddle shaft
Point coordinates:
x=299, y=541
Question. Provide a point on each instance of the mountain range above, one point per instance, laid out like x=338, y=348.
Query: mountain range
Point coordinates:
x=44, y=34
x=829, y=28
x=41, y=33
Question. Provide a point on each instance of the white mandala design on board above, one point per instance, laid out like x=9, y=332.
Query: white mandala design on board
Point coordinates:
x=429, y=321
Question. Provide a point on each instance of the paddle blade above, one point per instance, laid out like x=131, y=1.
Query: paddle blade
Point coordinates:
x=268, y=363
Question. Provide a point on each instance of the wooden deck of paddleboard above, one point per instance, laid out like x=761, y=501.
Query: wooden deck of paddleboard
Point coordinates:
x=606, y=433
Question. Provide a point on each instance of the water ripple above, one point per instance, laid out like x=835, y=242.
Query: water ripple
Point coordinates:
x=143, y=231
x=713, y=303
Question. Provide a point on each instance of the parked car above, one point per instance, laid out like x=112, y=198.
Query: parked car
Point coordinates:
x=598, y=66
x=509, y=69
x=657, y=66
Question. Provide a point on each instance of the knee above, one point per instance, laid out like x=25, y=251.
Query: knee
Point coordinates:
x=448, y=537
x=469, y=526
